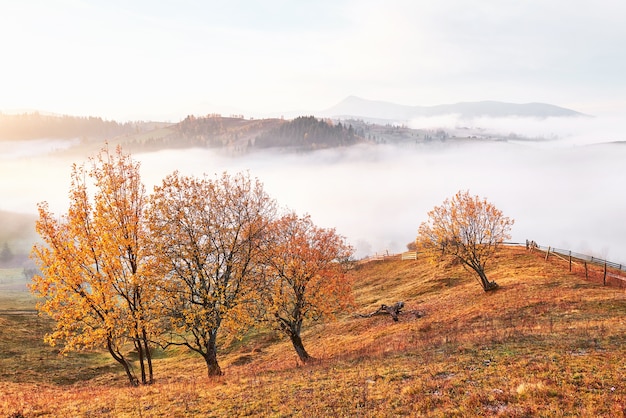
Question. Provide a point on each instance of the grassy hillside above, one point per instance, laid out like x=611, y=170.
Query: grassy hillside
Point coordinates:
x=14, y=293
x=548, y=343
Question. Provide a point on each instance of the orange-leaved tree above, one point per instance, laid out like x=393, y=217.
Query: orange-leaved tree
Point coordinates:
x=305, y=276
x=468, y=228
x=207, y=236
x=95, y=282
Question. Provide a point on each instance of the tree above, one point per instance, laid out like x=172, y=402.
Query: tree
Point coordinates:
x=6, y=254
x=468, y=228
x=207, y=237
x=94, y=279
x=305, y=276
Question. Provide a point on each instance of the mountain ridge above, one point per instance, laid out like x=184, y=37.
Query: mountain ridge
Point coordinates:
x=354, y=106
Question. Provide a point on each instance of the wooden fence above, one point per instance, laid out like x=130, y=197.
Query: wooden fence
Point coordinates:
x=597, y=269
x=408, y=255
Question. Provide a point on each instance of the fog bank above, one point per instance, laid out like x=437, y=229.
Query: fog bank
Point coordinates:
x=376, y=196
x=549, y=132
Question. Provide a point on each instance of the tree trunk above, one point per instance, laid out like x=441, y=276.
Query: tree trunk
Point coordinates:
x=120, y=359
x=148, y=357
x=142, y=365
x=299, y=347
x=210, y=357
x=487, y=285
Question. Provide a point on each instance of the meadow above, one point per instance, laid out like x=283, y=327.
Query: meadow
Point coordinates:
x=547, y=343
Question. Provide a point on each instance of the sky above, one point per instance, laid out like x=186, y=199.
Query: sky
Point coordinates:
x=163, y=60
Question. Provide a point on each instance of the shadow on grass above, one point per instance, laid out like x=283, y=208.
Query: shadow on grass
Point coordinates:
x=25, y=358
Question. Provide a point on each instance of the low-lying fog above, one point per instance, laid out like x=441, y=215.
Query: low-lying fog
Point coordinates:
x=571, y=197
x=378, y=195
x=11, y=150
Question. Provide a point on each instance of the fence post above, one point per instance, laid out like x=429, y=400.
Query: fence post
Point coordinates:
x=570, y=261
x=547, y=253
x=604, y=280
x=586, y=275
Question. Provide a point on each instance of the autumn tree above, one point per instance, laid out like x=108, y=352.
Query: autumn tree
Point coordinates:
x=305, y=276
x=467, y=228
x=207, y=236
x=94, y=280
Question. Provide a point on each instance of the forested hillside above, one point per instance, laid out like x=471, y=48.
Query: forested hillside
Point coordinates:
x=235, y=134
x=36, y=125
x=216, y=131
x=242, y=135
x=309, y=133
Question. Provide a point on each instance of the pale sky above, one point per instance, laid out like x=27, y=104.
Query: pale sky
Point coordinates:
x=162, y=60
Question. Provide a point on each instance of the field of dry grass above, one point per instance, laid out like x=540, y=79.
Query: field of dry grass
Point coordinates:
x=548, y=343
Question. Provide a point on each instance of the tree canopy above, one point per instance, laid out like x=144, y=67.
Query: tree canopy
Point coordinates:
x=207, y=236
x=305, y=276
x=198, y=258
x=95, y=282
x=467, y=228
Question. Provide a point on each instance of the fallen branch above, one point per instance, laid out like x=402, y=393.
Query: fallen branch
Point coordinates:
x=393, y=310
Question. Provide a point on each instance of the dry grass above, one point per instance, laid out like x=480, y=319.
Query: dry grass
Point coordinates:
x=548, y=343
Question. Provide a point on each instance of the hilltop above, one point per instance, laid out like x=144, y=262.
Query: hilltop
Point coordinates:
x=239, y=135
x=235, y=135
x=549, y=342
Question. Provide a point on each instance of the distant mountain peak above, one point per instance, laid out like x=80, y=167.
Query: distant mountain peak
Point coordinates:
x=353, y=106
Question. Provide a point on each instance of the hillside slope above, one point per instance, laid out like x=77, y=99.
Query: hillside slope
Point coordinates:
x=547, y=343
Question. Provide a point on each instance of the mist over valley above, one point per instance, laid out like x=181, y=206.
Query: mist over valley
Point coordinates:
x=377, y=195
x=558, y=177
